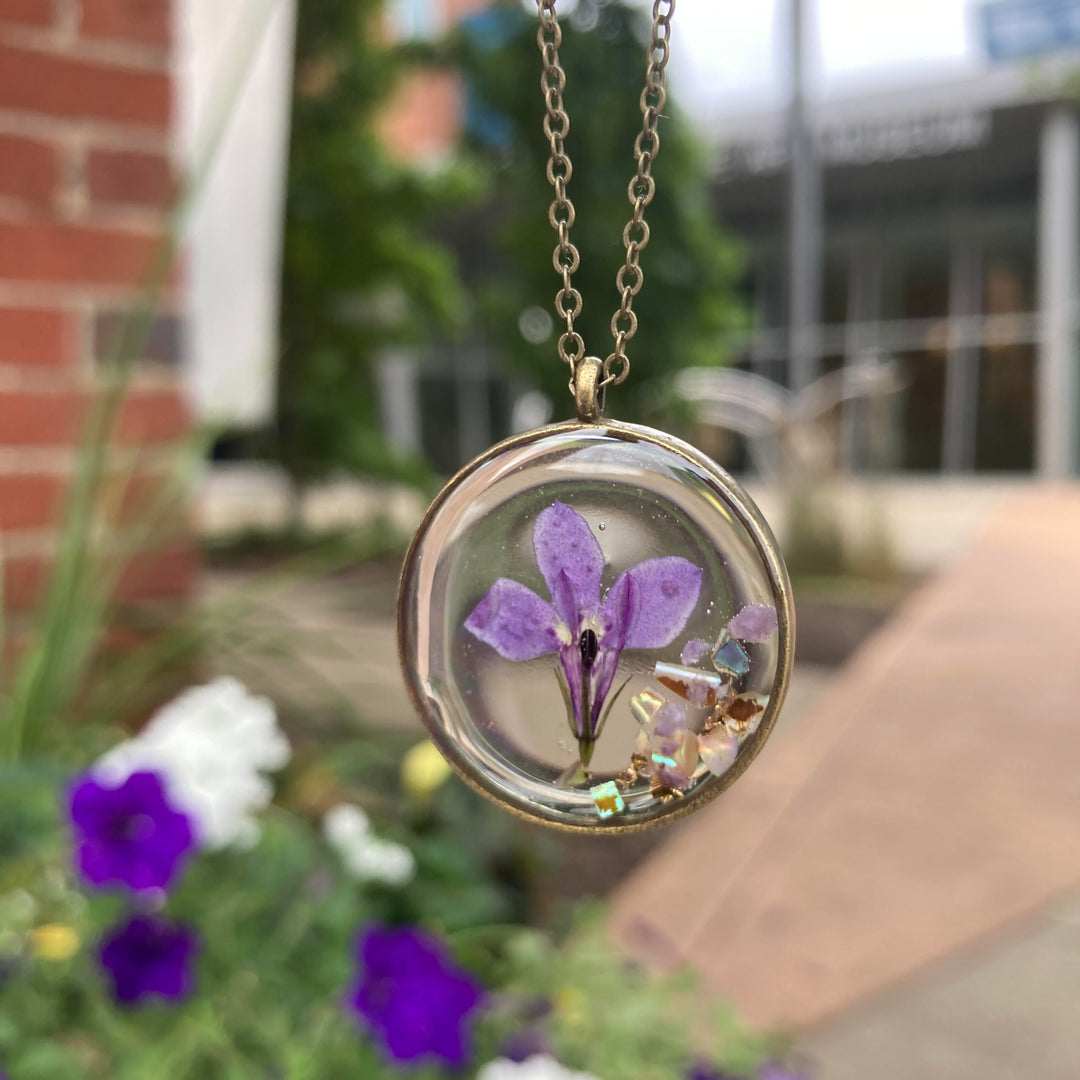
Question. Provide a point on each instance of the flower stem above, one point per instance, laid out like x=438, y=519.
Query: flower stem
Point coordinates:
x=585, y=750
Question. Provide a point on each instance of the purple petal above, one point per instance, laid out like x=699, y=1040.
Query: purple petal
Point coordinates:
x=619, y=612
x=565, y=602
x=603, y=676
x=397, y=952
x=563, y=541
x=570, y=657
x=755, y=623
x=148, y=955
x=668, y=590
x=694, y=650
x=411, y=997
x=514, y=621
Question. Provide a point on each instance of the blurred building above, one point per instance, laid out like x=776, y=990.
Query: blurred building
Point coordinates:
x=947, y=238
x=452, y=402
x=424, y=119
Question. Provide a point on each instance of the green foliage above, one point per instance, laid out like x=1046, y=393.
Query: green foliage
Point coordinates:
x=690, y=267
x=276, y=926
x=360, y=270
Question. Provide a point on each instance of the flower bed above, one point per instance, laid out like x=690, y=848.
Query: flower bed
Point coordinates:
x=164, y=914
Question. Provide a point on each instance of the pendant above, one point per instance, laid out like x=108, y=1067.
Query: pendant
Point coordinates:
x=596, y=626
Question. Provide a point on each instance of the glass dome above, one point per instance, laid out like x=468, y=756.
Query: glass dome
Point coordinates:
x=596, y=626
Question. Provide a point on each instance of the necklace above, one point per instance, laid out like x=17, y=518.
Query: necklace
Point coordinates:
x=594, y=620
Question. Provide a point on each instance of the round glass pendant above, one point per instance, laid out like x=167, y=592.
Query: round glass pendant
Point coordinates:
x=596, y=626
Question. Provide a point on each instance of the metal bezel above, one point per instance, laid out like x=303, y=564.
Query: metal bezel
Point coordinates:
x=752, y=520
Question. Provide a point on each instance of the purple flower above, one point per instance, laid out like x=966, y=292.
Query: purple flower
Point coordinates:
x=411, y=997
x=646, y=608
x=128, y=833
x=149, y=955
x=706, y=1070
x=522, y=1044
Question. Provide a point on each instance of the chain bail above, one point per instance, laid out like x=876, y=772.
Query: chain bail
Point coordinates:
x=589, y=389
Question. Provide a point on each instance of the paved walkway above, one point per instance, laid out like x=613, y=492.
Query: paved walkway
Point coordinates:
x=922, y=812
x=999, y=1012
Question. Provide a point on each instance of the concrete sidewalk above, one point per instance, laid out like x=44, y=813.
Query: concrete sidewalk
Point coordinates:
x=1005, y=1009
x=919, y=812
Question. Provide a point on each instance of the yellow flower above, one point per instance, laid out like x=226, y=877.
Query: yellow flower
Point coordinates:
x=54, y=941
x=570, y=1004
x=423, y=770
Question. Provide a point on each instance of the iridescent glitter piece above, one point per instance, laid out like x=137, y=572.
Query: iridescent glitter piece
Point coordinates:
x=644, y=705
x=743, y=714
x=730, y=656
x=608, y=799
x=667, y=749
x=701, y=688
x=719, y=749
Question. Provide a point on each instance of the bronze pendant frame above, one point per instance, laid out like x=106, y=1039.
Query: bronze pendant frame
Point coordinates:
x=747, y=514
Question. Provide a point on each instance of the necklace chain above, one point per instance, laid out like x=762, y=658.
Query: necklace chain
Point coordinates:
x=639, y=191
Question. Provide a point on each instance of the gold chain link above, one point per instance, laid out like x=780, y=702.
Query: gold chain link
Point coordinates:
x=640, y=190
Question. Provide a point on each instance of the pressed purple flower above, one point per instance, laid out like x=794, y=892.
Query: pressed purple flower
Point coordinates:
x=412, y=998
x=149, y=956
x=755, y=623
x=128, y=834
x=646, y=608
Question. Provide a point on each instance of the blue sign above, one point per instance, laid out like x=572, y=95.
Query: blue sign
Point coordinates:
x=1024, y=29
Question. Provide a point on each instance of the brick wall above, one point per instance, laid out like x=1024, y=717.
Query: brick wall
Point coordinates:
x=85, y=108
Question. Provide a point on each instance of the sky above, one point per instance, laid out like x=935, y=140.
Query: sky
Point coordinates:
x=726, y=54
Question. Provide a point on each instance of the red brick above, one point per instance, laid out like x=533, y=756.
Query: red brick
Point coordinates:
x=156, y=416
x=158, y=575
x=82, y=89
x=35, y=500
x=34, y=338
x=129, y=177
x=81, y=256
x=29, y=501
x=145, y=21
x=23, y=580
x=132, y=499
x=27, y=12
x=35, y=419
x=28, y=169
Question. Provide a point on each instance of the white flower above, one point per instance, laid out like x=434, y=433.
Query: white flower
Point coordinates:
x=366, y=857
x=538, y=1067
x=211, y=746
